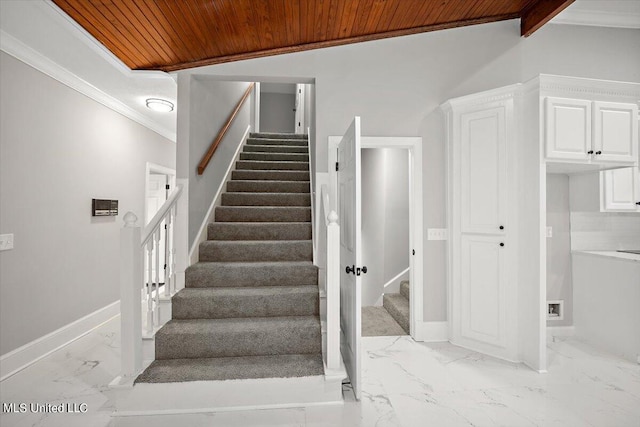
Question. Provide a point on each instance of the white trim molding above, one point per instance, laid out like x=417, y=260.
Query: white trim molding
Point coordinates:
x=20, y=358
x=31, y=57
x=432, y=331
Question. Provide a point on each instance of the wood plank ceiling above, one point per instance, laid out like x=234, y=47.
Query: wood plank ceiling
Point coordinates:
x=171, y=35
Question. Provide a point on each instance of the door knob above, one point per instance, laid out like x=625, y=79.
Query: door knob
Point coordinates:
x=350, y=269
x=501, y=244
x=359, y=270
x=502, y=227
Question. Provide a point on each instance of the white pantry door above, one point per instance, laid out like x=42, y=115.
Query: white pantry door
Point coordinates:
x=349, y=205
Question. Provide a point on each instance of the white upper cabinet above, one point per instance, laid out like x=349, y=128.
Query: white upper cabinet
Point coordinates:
x=591, y=132
x=619, y=190
x=568, y=129
x=615, y=132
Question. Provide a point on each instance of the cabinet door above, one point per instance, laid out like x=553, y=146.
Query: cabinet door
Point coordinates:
x=619, y=190
x=483, y=290
x=483, y=171
x=615, y=132
x=568, y=129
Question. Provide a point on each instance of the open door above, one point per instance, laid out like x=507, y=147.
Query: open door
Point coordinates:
x=349, y=205
x=300, y=126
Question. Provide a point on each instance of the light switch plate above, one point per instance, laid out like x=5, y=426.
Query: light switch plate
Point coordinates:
x=6, y=242
x=437, y=234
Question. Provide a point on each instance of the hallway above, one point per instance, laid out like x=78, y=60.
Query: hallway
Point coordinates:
x=405, y=384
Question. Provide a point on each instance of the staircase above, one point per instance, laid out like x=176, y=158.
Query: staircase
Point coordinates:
x=250, y=306
x=398, y=305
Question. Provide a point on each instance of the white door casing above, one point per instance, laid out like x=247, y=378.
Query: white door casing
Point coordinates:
x=349, y=206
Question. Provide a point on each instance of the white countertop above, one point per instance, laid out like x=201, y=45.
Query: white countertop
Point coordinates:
x=611, y=254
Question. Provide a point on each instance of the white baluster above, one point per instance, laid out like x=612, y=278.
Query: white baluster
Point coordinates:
x=156, y=307
x=167, y=255
x=149, y=286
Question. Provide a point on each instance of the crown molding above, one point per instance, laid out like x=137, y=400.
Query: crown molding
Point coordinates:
x=598, y=18
x=588, y=87
x=485, y=97
x=29, y=56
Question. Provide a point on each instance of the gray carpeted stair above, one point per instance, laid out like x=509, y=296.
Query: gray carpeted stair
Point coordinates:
x=255, y=186
x=261, y=165
x=266, y=199
x=263, y=214
x=260, y=301
x=250, y=308
x=259, y=231
x=273, y=175
x=272, y=148
x=242, y=336
x=398, y=305
x=256, y=250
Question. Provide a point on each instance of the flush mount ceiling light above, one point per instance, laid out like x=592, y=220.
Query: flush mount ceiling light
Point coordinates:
x=161, y=105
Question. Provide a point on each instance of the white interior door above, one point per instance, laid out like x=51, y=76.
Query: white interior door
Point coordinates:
x=300, y=126
x=349, y=205
x=156, y=196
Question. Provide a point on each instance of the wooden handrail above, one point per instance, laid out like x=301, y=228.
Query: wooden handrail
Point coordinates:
x=214, y=145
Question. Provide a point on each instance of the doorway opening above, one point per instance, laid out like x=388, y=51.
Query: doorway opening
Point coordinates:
x=282, y=108
x=412, y=146
x=159, y=183
x=385, y=241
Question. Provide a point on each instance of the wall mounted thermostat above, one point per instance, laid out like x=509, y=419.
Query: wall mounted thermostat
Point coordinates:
x=103, y=207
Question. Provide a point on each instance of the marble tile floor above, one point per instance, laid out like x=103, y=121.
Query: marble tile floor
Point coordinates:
x=404, y=384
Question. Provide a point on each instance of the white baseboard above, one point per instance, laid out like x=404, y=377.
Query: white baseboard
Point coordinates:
x=560, y=331
x=432, y=331
x=217, y=201
x=20, y=358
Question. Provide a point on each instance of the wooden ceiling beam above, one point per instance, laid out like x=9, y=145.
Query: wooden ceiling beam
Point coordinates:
x=539, y=13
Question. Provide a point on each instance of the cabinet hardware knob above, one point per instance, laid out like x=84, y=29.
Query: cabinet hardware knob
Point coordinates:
x=502, y=227
x=638, y=203
x=598, y=152
x=350, y=269
x=590, y=152
x=501, y=244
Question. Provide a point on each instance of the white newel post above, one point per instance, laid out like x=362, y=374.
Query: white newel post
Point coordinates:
x=333, y=291
x=131, y=276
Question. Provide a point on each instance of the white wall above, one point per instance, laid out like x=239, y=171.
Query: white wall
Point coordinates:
x=58, y=150
x=559, y=280
x=396, y=86
x=276, y=112
x=209, y=102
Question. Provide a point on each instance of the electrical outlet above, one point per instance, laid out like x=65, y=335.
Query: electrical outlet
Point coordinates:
x=549, y=231
x=6, y=242
x=437, y=234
